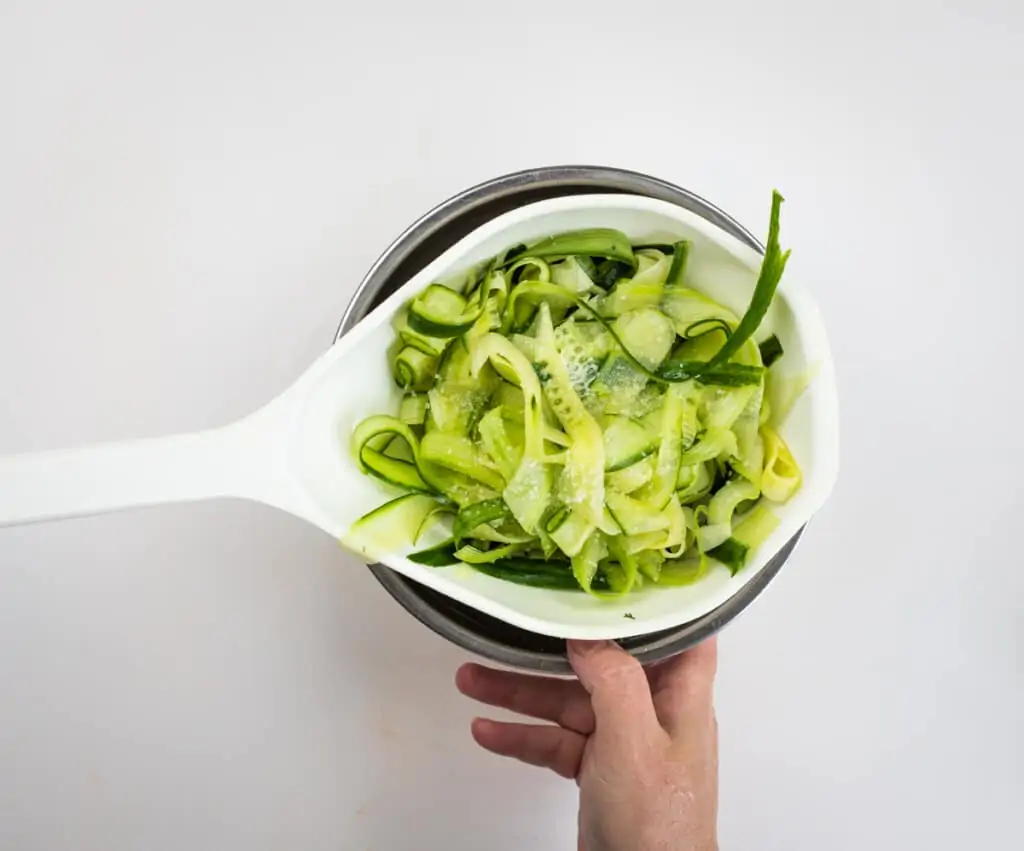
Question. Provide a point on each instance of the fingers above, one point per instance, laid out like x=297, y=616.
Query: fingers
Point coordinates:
x=556, y=748
x=683, y=687
x=618, y=687
x=564, y=702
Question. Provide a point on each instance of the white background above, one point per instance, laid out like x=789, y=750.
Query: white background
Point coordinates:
x=189, y=193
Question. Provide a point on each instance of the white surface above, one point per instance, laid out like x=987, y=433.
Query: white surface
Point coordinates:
x=191, y=192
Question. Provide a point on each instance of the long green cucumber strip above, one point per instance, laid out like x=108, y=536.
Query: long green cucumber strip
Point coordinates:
x=461, y=455
x=626, y=442
x=413, y=409
x=680, y=254
x=572, y=533
x=533, y=290
x=474, y=555
x=622, y=580
x=749, y=458
x=659, y=490
x=543, y=269
x=393, y=471
x=473, y=516
x=442, y=312
x=428, y=345
x=724, y=503
x=497, y=443
x=554, y=575
x=414, y=369
x=585, y=563
x=441, y=555
x=593, y=242
x=726, y=375
x=772, y=267
x=389, y=527
x=782, y=476
x=752, y=531
x=712, y=445
x=572, y=275
x=528, y=492
x=684, y=571
x=707, y=326
x=430, y=518
x=581, y=484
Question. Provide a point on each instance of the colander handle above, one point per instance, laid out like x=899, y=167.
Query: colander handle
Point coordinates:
x=113, y=476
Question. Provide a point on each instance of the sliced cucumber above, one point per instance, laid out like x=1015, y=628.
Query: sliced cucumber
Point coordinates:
x=648, y=334
x=441, y=312
x=626, y=442
x=413, y=410
x=590, y=421
x=632, y=478
x=633, y=516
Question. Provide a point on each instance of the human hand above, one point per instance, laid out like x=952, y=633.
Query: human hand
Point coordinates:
x=642, y=745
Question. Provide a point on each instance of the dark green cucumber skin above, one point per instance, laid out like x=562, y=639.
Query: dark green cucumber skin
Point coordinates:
x=663, y=247
x=726, y=375
x=771, y=351
x=773, y=266
x=432, y=328
x=607, y=272
x=407, y=484
x=441, y=555
x=536, y=573
x=680, y=254
x=731, y=553
x=631, y=460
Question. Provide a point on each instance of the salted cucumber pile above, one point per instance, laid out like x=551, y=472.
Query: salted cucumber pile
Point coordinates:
x=582, y=417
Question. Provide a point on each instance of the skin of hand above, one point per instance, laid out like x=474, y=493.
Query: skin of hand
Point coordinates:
x=641, y=744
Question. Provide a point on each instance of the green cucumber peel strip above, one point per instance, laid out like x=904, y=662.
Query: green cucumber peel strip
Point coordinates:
x=680, y=255
x=441, y=555
x=391, y=470
x=441, y=312
x=537, y=573
x=606, y=243
x=712, y=323
x=414, y=369
x=772, y=267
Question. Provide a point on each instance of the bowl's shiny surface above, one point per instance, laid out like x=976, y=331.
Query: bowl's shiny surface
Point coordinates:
x=422, y=242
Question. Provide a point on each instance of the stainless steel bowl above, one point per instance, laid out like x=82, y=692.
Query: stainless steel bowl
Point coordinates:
x=421, y=243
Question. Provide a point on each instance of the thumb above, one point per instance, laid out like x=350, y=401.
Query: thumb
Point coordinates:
x=617, y=684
